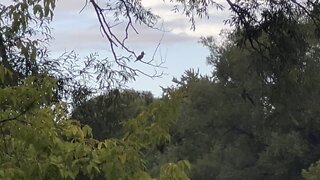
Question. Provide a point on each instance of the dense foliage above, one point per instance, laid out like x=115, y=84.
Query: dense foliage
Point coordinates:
x=255, y=117
x=38, y=139
x=238, y=126
x=105, y=114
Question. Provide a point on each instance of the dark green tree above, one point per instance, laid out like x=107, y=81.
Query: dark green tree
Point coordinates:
x=256, y=118
x=105, y=114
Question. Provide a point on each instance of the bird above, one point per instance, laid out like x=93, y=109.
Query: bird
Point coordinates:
x=140, y=56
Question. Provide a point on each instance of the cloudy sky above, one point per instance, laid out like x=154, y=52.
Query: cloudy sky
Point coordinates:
x=179, y=47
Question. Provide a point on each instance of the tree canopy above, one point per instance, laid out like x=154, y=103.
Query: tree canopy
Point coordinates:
x=106, y=113
x=252, y=119
x=38, y=138
x=255, y=117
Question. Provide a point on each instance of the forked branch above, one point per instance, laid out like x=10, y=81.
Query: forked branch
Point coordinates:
x=129, y=13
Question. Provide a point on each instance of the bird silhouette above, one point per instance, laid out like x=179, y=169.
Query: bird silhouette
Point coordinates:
x=139, y=58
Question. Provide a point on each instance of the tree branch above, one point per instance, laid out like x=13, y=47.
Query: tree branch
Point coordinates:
x=17, y=116
x=129, y=11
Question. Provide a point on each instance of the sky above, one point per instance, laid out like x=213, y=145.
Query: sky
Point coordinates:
x=179, y=47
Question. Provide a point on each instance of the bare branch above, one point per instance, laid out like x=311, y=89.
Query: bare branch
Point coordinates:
x=84, y=6
x=129, y=11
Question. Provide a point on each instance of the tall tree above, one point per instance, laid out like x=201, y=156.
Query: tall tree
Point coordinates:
x=256, y=118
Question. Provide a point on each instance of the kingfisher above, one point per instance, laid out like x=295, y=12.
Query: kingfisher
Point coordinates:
x=140, y=56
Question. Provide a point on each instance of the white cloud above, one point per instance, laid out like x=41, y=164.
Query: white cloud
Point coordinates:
x=201, y=30
x=177, y=23
x=152, y=3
